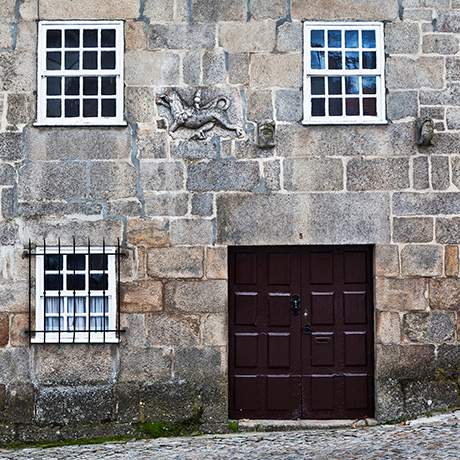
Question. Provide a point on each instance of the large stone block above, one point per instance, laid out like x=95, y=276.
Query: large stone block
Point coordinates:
x=413, y=229
x=216, y=263
x=422, y=260
x=453, y=118
x=276, y=70
x=386, y=258
x=402, y=104
x=64, y=405
x=345, y=9
x=142, y=297
x=313, y=174
x=440, y=172
x=198, y=364
x=14, y=365
x=140, y=104
x=378, y=174
x=421, y=173
x=191, y=67
x=78, y=144
x=167, y=329
x=159, y=10
x=393, y=140
x=440, y=44
x=11, y=146
x=195, y=150
x=289, y=36
x=223, y=175
x=77, y=365
x=87, y=9
x=176, y=262
x=193, y=297
x=260, y=9
x=448, y=230
x=405, y=72
x=453, y=68
x=182, y=36
x=148, y=232
x=20, y=403
x=388, y=328
x=7, y=174
x=147, y=68
x=202, y=204
x=449, y=22
x=165, y=204
x=260, y=105
x=316, y=218
x=451, y=260
x=162, y=175
x=445, y=294
x=4, y=329
x=449, y=359
x=238, y=68
x=21, y=109
x=413, y=204
x=214, y=330
x=405, y=361
x=192, y=231
x=17, y=71
x=446, y=96
x=212, y=11
x=111, y=180
x=19, y=336
x=437, y=327
x=249, y=37
x=402, y=38
x=289, y=105
x=135, y=36
x=401, y=294
x=389, y=404
x=272, y=175
x=214, y=67
x=152, y=144
x=145, y=364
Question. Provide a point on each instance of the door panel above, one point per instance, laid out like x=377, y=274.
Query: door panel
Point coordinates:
x=301, y=332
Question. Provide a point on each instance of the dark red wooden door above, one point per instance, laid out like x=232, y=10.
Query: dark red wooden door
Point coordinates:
x=301, y=332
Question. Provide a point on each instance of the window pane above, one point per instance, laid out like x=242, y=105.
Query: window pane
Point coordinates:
x=53, y=108
x=72, y=108
x=369, y=85
x=352, y=106
x=317, y=60
x=317, y=107
x=76, y=262
x=108, y=38
x=52, y=305
x=53, y=86
x=335, y=60
x=317, y=85
x=317, y=38
x=90, y=86
x=370, y=106
x=72, y=60
x=368, y=38
x=369, y=60
x=352, y=85
x=53, y=262
x=109, y=107
x=98, y=282
x=335, y=107
x=90, y=38
x=335, y=85
x=107, y=59
x=334, y=38
x=76, y=282
x=351, y=39
x=99, y=304
x=98, y=262
x=80, y=303
x=90, y=59
x=72, y=86
x=52, y=324
x=109, y=86
x=53, y=60
x=53, y=38
x=90, y=108
x=53, y=283
x=80, y=324
x=98, y=323
x=72, y=38
x=352, y=60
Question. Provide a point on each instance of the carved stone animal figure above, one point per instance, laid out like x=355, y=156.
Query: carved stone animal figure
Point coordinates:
x=198, y=117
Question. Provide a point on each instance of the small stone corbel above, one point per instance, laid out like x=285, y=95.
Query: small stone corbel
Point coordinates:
x=424, y=131
x=266, y=134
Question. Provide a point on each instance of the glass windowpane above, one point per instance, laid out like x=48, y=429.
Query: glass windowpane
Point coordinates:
x=99, y=305
x=90, y=38
x=370, y=106
x=98, y=261
x=109, y=86
x=352, y=85
x=335, y=60
x=53, y=108
x=53, y=262
x=53, y=38
x=351, y=39
x=72, y=60
x=80, y=323
x=352, y=106
x=53, y=60
x=369, y=60
x=317, y=107
x=72, y=38
x=76, y=282
x=53, y=283
x=97, y=323
x=90, y=86
x=352, y=60
x=76, y=262
x=72, y=108
x=98, y=282
x=368, y=38
x=80, y=303
x=53, y=86
x=72, y=86
x=90, y=59
x=52, y=305
x=109, y=107
x=317, y=85
x=108, y=60
x=334, y=38
x=317, y=60
x=108, y=38
x=317, y=38
x=369, y=85
x=90, y=108
x=335, y=107
x=52, y=324
x=335, y=85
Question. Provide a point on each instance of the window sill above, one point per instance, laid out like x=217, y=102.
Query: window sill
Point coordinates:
x=81, y=125
x=343, y=123
x=65, y=338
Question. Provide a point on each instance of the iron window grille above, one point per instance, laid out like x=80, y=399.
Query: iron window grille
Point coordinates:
x=80, y=73
x=77, y=293
x=344, y=73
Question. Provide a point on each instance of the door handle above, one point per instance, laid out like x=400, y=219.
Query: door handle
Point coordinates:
x=295, y=304
x=307, y=330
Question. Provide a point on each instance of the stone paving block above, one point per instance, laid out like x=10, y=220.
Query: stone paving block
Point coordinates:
x=313, y=174
x=175, y=262
x=422, y=260
x=413, y=229
x=254, y=36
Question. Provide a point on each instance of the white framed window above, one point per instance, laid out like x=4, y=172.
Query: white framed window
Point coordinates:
x=76, y=295
x=344, y=73
x=80, y=73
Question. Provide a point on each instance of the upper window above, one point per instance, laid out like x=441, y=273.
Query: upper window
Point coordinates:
x=344, y=73
x=76, y=295
x=80, y=73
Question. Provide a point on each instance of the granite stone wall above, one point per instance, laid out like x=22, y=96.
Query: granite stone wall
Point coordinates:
x=177, y=204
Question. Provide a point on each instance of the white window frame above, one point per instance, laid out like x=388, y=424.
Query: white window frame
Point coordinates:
x=42, y=73
x=93, y=336
x=379, y=72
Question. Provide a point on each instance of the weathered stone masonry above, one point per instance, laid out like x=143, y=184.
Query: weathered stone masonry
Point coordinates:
x=177, y=204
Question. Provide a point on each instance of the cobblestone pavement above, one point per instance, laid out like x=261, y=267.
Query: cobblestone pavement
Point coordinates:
x=434, y=438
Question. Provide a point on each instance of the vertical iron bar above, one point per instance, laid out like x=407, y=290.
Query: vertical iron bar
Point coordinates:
x=44, y=290
x=118, y=289
x=59, y=292
x=30, y=292
x=103, y=292
x=89, y=291
x=74, y=300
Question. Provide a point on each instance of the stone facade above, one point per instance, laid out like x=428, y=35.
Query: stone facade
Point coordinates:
x=177, y=204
